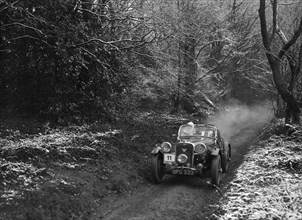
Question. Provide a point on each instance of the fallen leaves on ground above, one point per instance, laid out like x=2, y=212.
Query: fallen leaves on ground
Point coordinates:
x=45, y=171
x=268, y=183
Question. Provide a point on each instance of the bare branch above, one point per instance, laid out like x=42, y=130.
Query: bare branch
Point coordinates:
x=299, y=63
x=213, y=69
x=274, y=6
x=264, y=33
x=23, y=25
x=281, y=35
x=291, y=41
x=207, y=44
x=129, y=18
x=20, y=37
x=98, y=40
x=290, y=3
x=112, y=43
x=94, y=56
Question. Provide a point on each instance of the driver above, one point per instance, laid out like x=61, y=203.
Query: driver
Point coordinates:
x=189, y=130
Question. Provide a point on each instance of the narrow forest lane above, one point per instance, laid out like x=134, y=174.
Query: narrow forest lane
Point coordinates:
x=178, y=197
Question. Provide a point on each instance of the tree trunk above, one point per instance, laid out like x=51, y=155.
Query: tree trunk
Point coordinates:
x=190, y=65
x=189, y=104
x=275, y=64
x=294, y=72
x=177, y=96
x=286, y=95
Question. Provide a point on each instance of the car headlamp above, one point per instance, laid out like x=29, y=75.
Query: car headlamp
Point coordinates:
x=165, y=147
x=200, y=148
x=182, y=158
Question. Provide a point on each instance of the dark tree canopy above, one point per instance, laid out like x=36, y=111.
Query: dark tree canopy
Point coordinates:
x=64, y=58
x=78, y=60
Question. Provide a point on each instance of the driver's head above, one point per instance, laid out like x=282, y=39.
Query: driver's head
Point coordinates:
x=191, y=124
x=190, y=130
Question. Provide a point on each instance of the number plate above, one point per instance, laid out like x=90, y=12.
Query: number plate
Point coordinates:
x=183, y=172
x=169, y=158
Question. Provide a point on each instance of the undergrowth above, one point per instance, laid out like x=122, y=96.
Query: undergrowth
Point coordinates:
x=46, y=170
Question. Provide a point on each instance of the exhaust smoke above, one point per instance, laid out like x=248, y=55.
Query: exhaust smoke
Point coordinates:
x=237, y=119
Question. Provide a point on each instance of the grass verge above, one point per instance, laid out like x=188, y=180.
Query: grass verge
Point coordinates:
x=268, y=183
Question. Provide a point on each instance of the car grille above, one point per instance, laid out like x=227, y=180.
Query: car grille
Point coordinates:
x=187, y=149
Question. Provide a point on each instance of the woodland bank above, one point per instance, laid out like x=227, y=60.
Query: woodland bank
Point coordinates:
x=268, y=182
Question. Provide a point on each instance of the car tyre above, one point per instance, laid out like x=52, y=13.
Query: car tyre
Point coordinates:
x=225, y=158
x=230, y=152
x=216, y=170
x=157, y=168
x=224, y=162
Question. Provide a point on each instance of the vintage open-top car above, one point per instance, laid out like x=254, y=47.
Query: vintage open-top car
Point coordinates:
x=200, y=150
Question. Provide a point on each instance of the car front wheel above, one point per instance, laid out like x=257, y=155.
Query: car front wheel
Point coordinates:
x=157, y=168
x=216, y=170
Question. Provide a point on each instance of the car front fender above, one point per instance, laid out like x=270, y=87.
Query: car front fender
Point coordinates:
x=155, y=150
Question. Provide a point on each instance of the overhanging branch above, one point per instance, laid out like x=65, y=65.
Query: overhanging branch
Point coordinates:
x=215, y=68
x=294, y=38
x=136, y=43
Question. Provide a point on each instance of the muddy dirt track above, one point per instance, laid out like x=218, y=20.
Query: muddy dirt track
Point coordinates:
x=178, y=197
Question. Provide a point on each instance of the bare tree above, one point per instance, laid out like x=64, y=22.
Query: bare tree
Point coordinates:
x=275, y=58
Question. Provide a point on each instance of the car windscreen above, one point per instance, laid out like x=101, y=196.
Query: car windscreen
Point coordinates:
x=197, y=131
